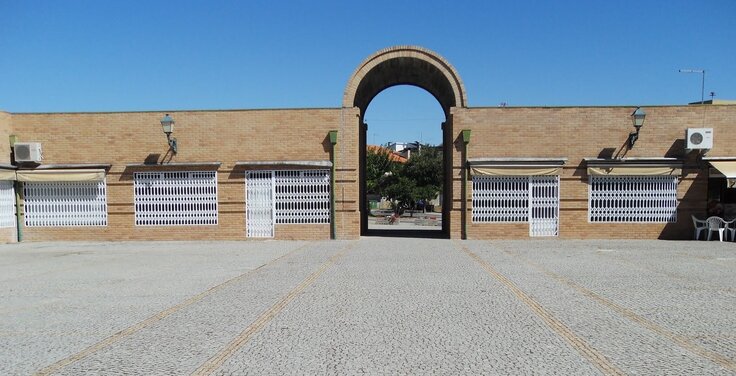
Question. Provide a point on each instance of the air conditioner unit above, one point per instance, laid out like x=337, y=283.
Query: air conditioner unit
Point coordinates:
x=28, y=152
x=699, y=138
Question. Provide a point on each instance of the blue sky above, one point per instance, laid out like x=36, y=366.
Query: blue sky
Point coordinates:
x=60, y=56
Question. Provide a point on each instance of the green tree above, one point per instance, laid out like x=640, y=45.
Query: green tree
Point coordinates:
x=378, y=166
x=405, y=184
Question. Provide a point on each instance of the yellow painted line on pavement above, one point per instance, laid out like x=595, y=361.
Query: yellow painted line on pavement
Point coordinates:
x=238, y=342
x=679, y=340
x=587, y=351
x=152, y=320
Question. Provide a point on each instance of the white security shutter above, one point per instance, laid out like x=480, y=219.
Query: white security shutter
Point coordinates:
x=500, y=198
x=259, y=204
x=533, y=199
x=302, y=196
x=62, y=204
x=544, y=205
x=181, y=198
x=7, y=204
x=640, y=199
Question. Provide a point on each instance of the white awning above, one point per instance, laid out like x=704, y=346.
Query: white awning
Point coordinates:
x=61, y=175
x=653, y=166
x=516, y=166
x=634, y=170
x=514, y=170
x=728, y=169
x=7, y=174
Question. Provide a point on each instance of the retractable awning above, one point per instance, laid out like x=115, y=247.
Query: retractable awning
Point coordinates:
x=61, y=175
x=516, y=166
x=7, y=175
x=728, y=169
x=634, y=167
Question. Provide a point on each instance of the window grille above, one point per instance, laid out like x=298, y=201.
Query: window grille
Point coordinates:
x=7, y=204
x=285, y=197
x=63, y=204
x=518, y=199
x=302, y=196
x=259, y=204
x=500, y=198
x=632, y=199
x=544, y=205
x=181, y=198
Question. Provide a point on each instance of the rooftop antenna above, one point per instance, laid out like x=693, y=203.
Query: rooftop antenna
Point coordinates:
x=702, y=84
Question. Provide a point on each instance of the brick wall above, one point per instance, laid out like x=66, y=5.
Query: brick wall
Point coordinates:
x=127, y=140
x=584, y=132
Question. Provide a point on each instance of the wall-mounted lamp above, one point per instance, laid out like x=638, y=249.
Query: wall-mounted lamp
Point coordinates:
x=637, y=117
x=167, y=123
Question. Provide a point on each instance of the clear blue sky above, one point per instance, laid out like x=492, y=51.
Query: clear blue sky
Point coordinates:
x=60, y=56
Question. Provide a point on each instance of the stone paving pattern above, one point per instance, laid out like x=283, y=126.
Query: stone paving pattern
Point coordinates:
x=371, y=306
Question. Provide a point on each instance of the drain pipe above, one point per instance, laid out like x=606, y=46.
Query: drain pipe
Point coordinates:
x=333, y=141
x=18, y=189
x=464, y=205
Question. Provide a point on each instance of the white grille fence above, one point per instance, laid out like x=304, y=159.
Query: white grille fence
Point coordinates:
x=518, y=199
x=180, y=198
x=65, y=204
x=544, y=205
x=645, y=199
x=500, y=199
x=259, y=204
x=285, y=197
x=7, y=204
x=302, y=196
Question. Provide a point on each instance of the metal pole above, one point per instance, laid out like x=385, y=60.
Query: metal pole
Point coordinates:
x=702, y=89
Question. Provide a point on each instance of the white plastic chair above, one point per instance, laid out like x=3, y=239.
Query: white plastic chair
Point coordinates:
x=716, y=224
x=731, y=228
x=700, y=225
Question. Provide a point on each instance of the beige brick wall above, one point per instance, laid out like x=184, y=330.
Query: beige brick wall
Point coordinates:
x=122, y=139
x=581, y=132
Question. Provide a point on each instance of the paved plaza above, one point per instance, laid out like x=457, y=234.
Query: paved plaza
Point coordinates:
x=375, y=306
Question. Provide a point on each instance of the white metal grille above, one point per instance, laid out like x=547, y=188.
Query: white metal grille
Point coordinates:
x=544, y=205
x=302, y=196
x=62, y=204
x=180, y=198
x=7, y=204
x=500, y=198
x=259, y=204
x=632, y=199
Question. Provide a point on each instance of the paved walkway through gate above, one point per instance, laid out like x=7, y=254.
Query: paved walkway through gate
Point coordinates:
x=373, y=306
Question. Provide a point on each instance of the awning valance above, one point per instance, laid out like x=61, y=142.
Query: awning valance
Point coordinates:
x=634, y=170
x=514, y=170
x=654, y=166
x=515, y=166
x=61, y=175
x=7, y=175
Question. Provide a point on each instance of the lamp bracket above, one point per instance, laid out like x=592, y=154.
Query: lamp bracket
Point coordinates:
x=172, y=142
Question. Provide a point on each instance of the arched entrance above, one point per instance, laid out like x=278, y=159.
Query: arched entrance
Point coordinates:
x=406, y=65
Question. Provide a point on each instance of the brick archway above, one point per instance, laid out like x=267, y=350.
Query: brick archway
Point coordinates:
x=405, y=65
x=415, y=66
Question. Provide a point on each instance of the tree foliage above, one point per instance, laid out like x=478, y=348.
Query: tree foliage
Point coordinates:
x=405, y=184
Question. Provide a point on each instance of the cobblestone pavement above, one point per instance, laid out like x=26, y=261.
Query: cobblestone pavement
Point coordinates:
x=370, y=306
